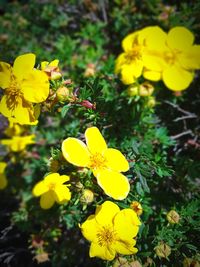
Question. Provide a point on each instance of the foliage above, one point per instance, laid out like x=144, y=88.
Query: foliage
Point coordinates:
x=160, y=142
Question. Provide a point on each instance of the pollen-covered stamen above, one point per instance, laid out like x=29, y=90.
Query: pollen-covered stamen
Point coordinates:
x=106, y=236
x=13, y=94
x=97, y=160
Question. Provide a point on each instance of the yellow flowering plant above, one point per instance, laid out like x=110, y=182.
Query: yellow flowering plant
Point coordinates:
x=18, y=143
x=22, y=86
x=157, y=55
x=105, y=163
x=52, y=189
x=3, y=179
x=178, y=56
x=111, y=231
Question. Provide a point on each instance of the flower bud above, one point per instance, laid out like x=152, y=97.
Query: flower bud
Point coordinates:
x=121, y=262
x=173, y=217
x=87, y=196
x=136, y=206
x=135, y=264
x=146, y=89
x=62, y=93
x=163, y=250
x=88, y=104
x=188, y=262
x=132, y=90
x=151, y=102
x=90, y=70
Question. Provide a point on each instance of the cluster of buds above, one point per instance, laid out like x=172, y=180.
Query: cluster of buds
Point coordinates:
x=144, y=89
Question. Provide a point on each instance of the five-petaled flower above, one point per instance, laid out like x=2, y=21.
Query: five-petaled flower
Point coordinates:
x=3, y=179
x=52, y=189
x=138, y=47
x=22, y=86
x=18, y=143
x=178, y=58
x=106, y=163
x=110, y=231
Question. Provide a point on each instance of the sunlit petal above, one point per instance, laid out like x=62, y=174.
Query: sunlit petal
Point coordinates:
x=176, y=78
x=180, y=38
x=95, y=140
x=5, y=75
x=47, y=200
x=23, y=65
x=113, y=183
x=106, y=212
x=116, y=160
x=76, y=152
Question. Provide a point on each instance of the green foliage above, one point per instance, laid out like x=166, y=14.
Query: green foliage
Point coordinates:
x=164, y=164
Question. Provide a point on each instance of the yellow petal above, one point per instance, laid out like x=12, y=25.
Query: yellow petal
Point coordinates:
x=125, y=248
x=180, y=38
x=106, y=212
x=4, y=108
x=54, y=63
x=155, y=38
x=176, y=78
x=39, y=189
x=52, y=178
x=120, y=61
x=3, y=181
x=62, y=193
x=105, y=253
x=116, y=160
x=90, y=228
x=44, y=64
x=5, y=75
x=35, y=86
x=129, y=40
x=152, y=75
x=76, y=152
x=154, y=62
x=47, y=200
x=126, y=224
x=113, y=183
x=63, y=179
x=23, y=65
x=130, y=72
x=2, y=166
x=190, y=59
x=95, y=140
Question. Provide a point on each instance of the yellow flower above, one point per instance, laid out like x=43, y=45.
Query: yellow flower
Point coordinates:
x=52, y=189
x=106, y=163
x=3, y=180
x=51, y=69
x=131, y=63
x=111, y=231
x=18, y=143
x=178, y=58
x=23, y=85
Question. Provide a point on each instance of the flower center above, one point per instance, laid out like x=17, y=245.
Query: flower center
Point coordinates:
x=106, y=236
x=13, y=94
x=52, y=186
x=171, y=57
x=97, y=161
